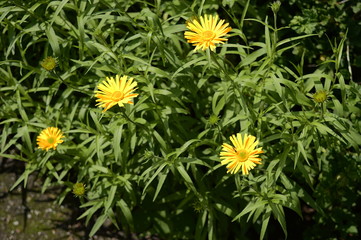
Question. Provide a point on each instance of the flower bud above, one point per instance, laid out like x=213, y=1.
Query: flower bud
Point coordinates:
x=48, y=63
x=79, y=189
x=320, y=96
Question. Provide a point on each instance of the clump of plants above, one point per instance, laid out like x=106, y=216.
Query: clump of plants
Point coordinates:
x=166, y=117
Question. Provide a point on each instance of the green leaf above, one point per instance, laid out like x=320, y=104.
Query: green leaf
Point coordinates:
x=116, y=142
x=324, y=130
x=265, y=220
x=305, y=174
x=89, y=213
x=99, y=126
x=53, y=40
x=188, y=64
x=301, y=149
x=218, y=106
x=282, y=162
x=224, y=209
x=210, y=226
x=110, y=199
x=277, y=210
x=58, y=9
x=100, y=144
x=96, y=168
x=160, y=168
x=127, y=213
x=23, y=177
x=160, y=140
x=98, y=223
x=201, y=223
x=293, y=39
x=162, y=177
x=113, y=218
x=186, y=177
x=184, y=147
x=268, y=39
x=253, y=56
x=251, y=207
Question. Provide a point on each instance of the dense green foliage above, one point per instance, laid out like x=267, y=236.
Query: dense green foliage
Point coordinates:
x=154, y=166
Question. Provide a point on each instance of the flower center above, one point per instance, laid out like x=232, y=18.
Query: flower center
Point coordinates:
x=208, y=35
x=242, y=155
x=117, y=96
x=51, y=140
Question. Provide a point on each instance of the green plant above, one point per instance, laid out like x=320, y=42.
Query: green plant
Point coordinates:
x=154, y=166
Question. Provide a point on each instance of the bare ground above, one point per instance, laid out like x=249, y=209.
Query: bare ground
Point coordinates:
x=28, y=214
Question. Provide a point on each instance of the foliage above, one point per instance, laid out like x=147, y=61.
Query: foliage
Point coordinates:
x=154, y=166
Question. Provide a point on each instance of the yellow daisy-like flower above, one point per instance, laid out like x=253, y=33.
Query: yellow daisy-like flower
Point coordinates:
x=49, y=138
x=207, y=32
x=115, y=91
x=243, y=155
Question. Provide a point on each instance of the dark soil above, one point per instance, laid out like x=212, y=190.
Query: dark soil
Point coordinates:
x=28, y=214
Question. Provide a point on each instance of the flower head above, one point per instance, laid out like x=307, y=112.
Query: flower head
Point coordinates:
x=320, y=96
x=48, y=63
x=207, y=32
x=243, y=156
x=115, y=91
x=213, y=120
x=148, y=154
x=79, y=189
x=275, y=6
x=49, y=138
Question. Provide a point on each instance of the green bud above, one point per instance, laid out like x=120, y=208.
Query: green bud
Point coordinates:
x=48, y=63
x=275, y=6
x=320, y=96
x=213, y=120
x=148, y=154
x=79, y=189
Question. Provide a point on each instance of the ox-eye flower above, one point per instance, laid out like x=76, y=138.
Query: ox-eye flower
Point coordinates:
x=243, y=155
x=49, y=138
x=115, y=91
x=206, y=32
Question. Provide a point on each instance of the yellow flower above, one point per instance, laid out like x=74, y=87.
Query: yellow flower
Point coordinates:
x=242, y=156
x=207, y=32
x=49, y=138
x=48, y=63
x=118, y=91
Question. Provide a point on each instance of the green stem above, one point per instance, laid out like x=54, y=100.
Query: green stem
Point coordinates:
x=128, y=118
x=69, y=85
